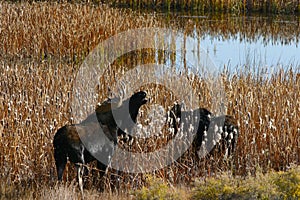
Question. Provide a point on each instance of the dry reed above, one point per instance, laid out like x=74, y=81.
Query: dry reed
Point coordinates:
x=64, y=30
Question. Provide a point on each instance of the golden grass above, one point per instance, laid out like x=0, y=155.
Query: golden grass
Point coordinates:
x=268, y=111
x=57, y=191
x=64, y=30
x=37, y=68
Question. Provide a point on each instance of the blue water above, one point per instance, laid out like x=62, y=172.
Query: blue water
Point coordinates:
x=237, y=51
x=236, y=54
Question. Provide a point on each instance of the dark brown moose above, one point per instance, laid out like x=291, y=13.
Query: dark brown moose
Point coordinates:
x=100, y=134
x=212, y=131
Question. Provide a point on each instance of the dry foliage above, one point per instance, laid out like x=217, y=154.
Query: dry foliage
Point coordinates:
x=64, y=30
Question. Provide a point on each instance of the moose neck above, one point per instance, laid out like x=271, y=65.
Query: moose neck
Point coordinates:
x=133, y=111
x=127, y=115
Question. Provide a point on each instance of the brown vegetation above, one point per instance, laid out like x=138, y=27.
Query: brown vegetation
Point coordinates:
x=64, y=30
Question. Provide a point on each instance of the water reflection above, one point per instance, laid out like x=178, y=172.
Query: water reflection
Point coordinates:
x=236, y=52
x=234, y=42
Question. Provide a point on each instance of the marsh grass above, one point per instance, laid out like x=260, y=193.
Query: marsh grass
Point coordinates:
x=55, y=191
x=36, y=92
x=36, y=103
x=65, y=30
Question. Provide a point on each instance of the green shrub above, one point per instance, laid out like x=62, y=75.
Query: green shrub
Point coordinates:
x=156, y=189
x=288, y=183
x=273, y=185
x=214, y=188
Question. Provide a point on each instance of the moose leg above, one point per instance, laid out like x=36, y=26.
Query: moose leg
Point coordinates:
x=60, y=162
x=80, y=169
x=102, y=168
x=80, y=172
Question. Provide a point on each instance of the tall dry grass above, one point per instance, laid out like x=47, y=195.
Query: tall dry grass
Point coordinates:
x=64, y=30
x=268, y=110
x=43, y=45
x=38, y=67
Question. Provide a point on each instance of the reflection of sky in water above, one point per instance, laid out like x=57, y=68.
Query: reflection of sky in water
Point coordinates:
x=189, y=51
x=239, y=53
x=234, y=53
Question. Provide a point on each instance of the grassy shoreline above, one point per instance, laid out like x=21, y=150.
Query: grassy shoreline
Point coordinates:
x=201, y=6
x=70, y=31
x=217, y=6
x=271, y=185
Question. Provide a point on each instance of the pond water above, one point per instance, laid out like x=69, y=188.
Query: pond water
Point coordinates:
x=236, y=42
x=238, y=52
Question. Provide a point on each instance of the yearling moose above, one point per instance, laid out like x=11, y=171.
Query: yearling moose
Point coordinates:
x=211, y=130
x=101, y=132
